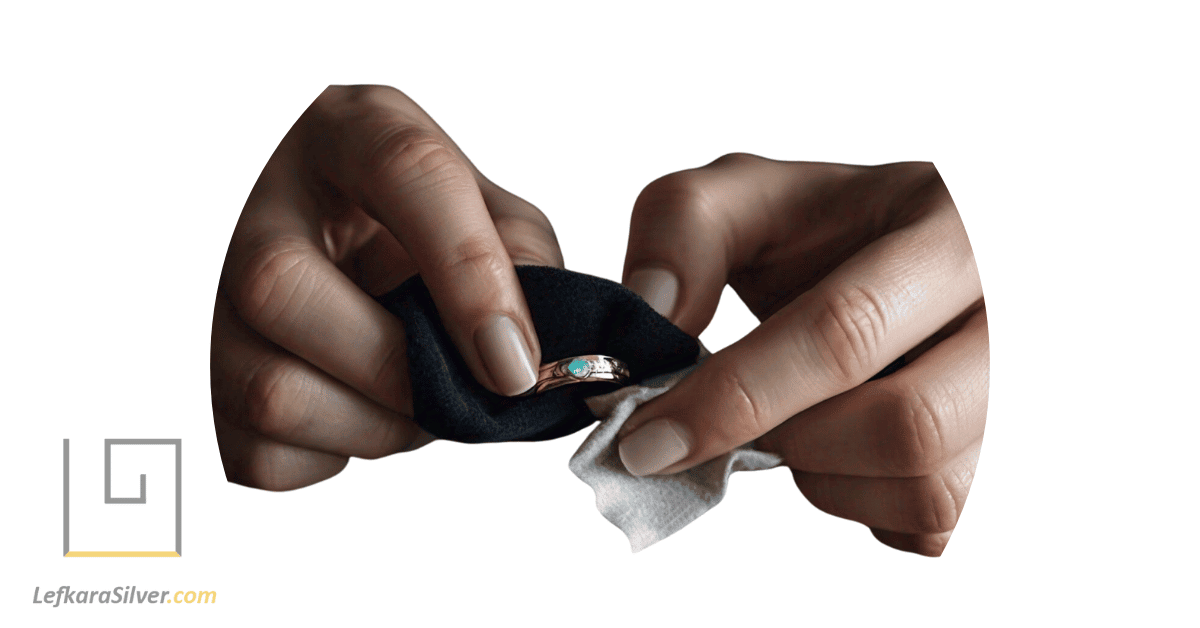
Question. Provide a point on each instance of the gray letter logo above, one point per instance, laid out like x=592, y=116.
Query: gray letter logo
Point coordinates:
x=109, y=499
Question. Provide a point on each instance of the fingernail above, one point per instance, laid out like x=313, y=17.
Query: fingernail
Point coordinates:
x=658, y=286
x=526, y=261
x=654, y=447
x=504, y=353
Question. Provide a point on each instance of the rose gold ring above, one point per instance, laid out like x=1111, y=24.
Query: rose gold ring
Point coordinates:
x=580, y=369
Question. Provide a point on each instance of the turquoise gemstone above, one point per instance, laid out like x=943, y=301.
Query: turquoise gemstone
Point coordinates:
x=578, y=368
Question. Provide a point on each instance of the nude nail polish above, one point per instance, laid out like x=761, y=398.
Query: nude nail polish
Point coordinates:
x=504, y=353
x=654, y=447
x=658, y=286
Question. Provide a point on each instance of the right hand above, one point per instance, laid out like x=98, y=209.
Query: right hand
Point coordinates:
x=363, y=192
x=848, y=268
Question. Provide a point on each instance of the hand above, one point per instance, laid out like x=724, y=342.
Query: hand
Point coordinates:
x=362, y=193
x=848, y=268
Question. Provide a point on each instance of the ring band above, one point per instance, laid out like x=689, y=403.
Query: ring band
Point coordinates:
x=584, y=368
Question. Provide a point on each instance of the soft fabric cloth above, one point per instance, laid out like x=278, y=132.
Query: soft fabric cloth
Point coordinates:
x=573, y=314
x=651, y=508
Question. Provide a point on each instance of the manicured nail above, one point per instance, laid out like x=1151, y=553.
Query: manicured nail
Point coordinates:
x=502, y=347
x=526, y=261
x=658, y=286
x=654, y=447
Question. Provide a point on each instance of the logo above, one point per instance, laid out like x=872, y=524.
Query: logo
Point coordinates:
x=140, y=526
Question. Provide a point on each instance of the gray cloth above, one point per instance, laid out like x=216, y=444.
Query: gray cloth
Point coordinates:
x=649, y=509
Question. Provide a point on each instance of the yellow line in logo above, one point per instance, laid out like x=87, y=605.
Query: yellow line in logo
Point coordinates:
x=122, y=554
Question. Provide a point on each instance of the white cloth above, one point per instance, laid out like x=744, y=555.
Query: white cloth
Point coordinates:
x=649, y=509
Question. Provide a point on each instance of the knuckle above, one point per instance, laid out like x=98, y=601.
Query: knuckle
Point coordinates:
x=387, y=440
x=339, y=101
x=917, y=424
x=678, y=196
x=503, y=204
x=326, y=102
x=272, y=391
x=261, y=471
x=849, y=327
x=924, y=544
x=405, y=155
x=274, y=271
x=924, y=172
x=749, y=413
x=930, y=544
x=902, y=175
x=375, y=450
x=271, y=468
x=528, y=236
x=736, y=159
x=532, y=220
x=912, y=170
x=815, y=488
x=388, y=369
x=367, y=92
x=257, y=462
x=935, y=504
x=477, y=255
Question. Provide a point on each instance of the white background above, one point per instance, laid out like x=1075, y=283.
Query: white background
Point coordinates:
x=1066, y=133
x=100, y=527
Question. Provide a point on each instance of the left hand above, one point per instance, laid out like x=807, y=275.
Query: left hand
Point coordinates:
x=364, y=191
x=848, y=268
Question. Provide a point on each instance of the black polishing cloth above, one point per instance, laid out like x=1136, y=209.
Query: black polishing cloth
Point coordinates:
x=574, y=314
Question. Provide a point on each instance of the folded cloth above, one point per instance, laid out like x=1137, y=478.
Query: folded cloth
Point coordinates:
x=573, y=314
x=651, y=508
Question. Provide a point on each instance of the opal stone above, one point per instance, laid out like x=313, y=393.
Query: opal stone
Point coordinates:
x=578, y=368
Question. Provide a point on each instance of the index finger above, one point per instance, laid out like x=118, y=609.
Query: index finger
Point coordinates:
x=880, y=303
x=379, y=148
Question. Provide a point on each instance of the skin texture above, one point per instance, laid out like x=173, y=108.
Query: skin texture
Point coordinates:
x=363, y=192
x=847, y=268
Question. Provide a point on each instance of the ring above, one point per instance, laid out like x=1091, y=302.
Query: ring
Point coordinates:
x=584, y=368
